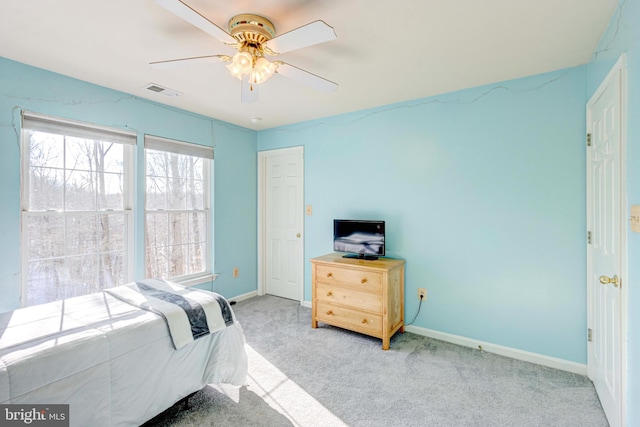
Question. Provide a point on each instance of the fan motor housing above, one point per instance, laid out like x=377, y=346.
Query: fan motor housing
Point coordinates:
x=251, y=29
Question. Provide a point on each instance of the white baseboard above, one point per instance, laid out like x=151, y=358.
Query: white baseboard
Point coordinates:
x=540, y=359
x=244, y=296
x=526, y=356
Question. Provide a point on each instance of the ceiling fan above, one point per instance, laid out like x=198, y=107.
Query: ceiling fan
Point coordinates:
x=254, y=37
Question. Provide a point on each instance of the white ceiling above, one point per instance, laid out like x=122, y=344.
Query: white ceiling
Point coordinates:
x=386, y=51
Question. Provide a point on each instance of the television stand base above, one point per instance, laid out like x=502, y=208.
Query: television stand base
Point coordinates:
x=361, y=256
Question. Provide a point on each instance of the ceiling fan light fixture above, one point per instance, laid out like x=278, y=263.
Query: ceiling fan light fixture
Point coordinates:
x=258, y=68
x=262, y=70
x=241, y=63
x=252, y=32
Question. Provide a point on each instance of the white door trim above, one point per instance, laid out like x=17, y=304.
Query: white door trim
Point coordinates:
x=262, y=159
x=619, y=67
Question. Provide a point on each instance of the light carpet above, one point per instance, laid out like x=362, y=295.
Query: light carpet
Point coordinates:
x=299, y=376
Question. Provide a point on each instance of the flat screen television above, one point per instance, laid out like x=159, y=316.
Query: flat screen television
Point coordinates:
x=359, y=238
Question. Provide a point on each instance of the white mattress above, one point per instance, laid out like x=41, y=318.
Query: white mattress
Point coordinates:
x=114, y=364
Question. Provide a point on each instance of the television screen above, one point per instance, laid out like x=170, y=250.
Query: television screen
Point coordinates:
x=359, y=238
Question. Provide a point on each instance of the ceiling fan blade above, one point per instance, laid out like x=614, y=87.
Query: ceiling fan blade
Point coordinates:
x=185, y=12
x=173, y=63
x=307, y=35
x=249, y=92
x=306, y=78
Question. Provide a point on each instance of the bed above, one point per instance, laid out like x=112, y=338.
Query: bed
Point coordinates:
x=115, y=363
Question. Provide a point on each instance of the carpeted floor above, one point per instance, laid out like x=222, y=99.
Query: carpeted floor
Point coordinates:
x=331, y=377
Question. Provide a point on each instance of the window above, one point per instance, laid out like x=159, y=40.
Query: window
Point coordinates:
x=177, y=219
x=76, y=208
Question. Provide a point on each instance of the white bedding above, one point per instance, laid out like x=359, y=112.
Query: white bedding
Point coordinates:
x=113, y=363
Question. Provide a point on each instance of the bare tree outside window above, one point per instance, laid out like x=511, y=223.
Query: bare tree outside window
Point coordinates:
x=75, y=224
x=176, y=212
x=77, y=217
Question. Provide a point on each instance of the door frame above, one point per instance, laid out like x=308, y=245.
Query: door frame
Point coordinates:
x=619, y=67
x=262, y=170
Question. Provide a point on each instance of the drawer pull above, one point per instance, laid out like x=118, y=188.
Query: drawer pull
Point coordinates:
x=329, y=274
x=364, y=321
x=329, y=293
x=364, y=280
x=329, y=313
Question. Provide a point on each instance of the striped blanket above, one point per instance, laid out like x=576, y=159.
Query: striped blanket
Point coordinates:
x=190, y=313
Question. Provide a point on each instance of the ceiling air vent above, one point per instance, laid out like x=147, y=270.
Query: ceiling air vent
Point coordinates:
x=163, y=90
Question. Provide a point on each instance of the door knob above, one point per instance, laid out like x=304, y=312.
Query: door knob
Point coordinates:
x=298, y=235
x=605, y=280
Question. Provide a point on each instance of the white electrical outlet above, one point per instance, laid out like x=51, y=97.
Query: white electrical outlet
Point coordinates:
x=422, y=294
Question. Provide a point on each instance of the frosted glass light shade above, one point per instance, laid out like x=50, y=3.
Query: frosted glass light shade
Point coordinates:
x=258, y=68
x=262, y=70
x=241, y=63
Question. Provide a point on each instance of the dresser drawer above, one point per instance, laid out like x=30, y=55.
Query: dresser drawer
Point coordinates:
x=365, y=280
x=355, y=320
x=350, y=297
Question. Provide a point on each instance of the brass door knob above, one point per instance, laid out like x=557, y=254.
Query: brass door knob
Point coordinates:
x=298, y=235
x=605, y=280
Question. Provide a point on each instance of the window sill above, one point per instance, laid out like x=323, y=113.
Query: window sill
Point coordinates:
x=193, y=281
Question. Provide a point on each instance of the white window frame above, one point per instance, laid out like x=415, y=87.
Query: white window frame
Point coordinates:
x=157, y=143
x=50, y=124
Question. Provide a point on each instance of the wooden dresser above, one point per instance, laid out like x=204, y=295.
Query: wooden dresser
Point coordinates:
x=360, y=295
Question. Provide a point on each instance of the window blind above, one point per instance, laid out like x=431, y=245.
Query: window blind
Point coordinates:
x=42, y=123
x=164, y=144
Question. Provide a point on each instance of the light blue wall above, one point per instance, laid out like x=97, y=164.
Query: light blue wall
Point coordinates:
x=623, y=35
x=483, y=192
x=234, y=177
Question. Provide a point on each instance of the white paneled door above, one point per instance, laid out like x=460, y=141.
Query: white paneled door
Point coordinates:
x=606, y=251
x=283, y=222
